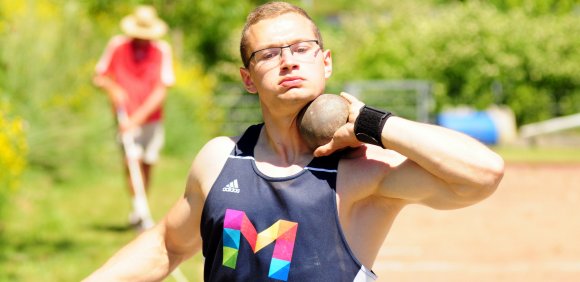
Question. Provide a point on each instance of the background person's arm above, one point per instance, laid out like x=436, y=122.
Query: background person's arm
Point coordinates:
x=102, y=78
x=116, y=93
x=152, y=103
x=159, y=93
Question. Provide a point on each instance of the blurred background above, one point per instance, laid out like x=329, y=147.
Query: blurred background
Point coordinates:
x=506, y=72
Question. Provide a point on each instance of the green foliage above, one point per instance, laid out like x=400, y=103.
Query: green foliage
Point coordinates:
x=536, y=7
x=188, y=111
x=47, y=79
x=207, y=27
x=467, y=49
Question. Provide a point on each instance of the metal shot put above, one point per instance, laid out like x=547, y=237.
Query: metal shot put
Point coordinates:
x=321, y=118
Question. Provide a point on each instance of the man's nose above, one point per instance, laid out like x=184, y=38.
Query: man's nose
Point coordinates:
x=287, y=57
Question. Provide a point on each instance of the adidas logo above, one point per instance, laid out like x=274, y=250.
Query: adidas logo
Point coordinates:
x=232, y=187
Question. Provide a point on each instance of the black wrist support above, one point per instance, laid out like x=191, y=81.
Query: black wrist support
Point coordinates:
x=368, y=126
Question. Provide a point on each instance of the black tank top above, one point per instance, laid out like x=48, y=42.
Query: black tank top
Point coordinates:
x=260, y=228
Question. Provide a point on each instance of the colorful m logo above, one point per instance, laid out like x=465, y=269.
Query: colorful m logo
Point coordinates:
x=236, y=223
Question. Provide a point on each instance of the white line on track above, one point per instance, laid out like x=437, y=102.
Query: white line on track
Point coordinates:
x=477, y=267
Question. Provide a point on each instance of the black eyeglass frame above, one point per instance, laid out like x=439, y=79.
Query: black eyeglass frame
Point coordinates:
x=281, y=48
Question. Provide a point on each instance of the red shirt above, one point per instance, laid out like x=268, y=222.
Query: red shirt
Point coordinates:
x=137, y=77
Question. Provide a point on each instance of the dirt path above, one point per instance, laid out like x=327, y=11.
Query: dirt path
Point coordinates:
x=529, y=230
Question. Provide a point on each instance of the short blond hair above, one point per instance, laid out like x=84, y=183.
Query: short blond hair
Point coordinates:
x=268, y=11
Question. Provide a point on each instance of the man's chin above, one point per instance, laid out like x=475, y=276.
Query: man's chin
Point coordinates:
x=302, y=92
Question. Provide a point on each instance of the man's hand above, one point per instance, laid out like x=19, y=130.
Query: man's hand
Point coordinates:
x=127, y=125
x=116, y=93
x=344, y=136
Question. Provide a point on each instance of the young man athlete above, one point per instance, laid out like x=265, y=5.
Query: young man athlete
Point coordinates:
x=261, y=208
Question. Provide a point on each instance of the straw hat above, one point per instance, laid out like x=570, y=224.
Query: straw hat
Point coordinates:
x=144, y=24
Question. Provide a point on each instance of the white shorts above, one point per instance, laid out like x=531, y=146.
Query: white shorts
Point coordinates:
x=149, y=140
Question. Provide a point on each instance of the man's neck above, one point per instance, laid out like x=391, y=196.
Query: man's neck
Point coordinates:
x=280, y=150
x=140, y=48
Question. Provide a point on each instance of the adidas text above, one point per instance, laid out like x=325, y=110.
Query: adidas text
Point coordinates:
x=232, y=187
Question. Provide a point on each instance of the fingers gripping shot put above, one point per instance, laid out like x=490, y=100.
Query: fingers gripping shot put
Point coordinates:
x=272, y=205
x=319, y=119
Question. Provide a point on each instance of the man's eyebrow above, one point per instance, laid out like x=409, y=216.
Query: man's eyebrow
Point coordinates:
x=287, y=43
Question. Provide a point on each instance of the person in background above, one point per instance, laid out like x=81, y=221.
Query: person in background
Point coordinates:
x=264, y=206
x=135, y=71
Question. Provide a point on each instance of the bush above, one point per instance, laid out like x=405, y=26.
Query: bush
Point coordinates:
x=13, y=149
x=474, y=53
x=189, y=109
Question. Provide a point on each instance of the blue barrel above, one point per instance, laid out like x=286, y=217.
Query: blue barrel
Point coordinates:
x=476, y=124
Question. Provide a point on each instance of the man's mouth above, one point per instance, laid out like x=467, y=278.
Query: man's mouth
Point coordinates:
x=291, y=82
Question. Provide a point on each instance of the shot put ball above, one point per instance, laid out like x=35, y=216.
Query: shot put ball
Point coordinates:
x=318, y=120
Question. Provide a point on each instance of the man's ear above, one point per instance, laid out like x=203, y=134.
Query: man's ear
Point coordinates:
x=248, y=83
x=327, y=64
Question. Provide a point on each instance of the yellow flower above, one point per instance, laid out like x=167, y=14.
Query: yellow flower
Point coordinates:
x=13, y=149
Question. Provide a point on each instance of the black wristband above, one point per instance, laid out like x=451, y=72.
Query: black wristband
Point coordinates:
x=368, y=126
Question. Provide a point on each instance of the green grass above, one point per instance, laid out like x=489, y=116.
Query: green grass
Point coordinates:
x=62, y=230
x=539, y=154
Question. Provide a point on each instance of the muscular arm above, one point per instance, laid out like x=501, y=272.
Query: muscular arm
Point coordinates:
x=435, y=166
x=444, y=168
x=156, y=252
x=144, y=259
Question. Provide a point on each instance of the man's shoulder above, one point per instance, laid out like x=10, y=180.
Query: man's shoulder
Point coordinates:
x=117, y=41
x=220, y=144
x=162, y=45
x=210, y=160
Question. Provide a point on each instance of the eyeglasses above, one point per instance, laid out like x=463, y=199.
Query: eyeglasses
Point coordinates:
x=303, y=51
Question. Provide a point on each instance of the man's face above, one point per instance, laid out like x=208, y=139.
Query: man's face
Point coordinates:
x=286, y=77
